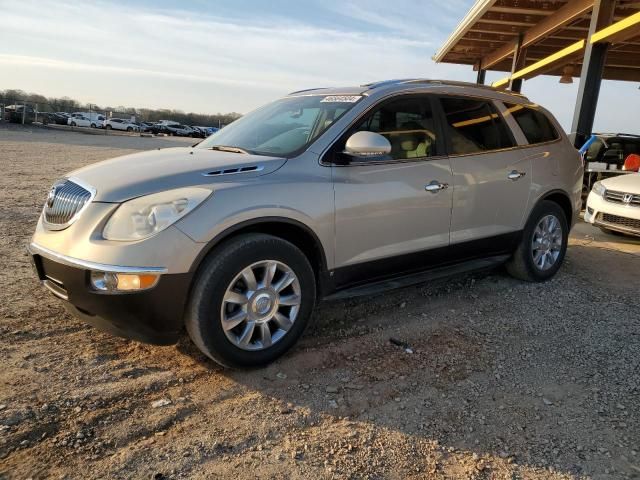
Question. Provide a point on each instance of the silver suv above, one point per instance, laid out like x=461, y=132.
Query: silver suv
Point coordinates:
x=324, y=193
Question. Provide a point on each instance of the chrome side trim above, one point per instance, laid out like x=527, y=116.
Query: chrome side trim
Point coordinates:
x=35, y=249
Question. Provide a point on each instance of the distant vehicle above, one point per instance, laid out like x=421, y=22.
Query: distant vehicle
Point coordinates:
x=207, y=130
x=159, y=128
x=121, y=124
x=60, y=118
x=612, y=149
x=614, y=204
x=15, y=113
x=145, y=126
x=199, y=132
x=180, y=130
x=86, y=119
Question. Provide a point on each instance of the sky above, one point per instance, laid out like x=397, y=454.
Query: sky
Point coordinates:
x=235, y=55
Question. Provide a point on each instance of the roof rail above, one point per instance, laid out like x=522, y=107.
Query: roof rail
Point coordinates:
x=457, y=83
x=384, y=83
x=307, y=90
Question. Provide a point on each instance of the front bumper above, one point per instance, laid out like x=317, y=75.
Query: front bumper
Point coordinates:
x=151, y=316
x=613, y=216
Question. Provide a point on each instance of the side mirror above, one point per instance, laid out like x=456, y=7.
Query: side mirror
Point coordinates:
x=367, y=144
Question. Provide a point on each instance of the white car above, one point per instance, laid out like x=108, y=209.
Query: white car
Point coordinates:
x=86, y=119
x=121, y=124
x=614, y=204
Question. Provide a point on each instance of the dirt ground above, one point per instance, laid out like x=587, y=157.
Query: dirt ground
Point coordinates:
x=503, y=379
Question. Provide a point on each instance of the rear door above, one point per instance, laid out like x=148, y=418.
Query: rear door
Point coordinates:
x=385, y=218
x=491, y=176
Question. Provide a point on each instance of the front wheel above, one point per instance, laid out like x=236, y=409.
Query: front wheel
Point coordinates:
x=251, y=301
x=543, y=246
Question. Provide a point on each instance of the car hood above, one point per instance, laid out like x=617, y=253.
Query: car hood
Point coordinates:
x=629, y=183
x=130, y=176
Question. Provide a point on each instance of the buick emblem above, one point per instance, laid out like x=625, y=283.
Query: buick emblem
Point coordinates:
x=627, y=198
x=52, y=196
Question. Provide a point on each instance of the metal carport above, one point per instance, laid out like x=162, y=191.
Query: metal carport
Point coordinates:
x=596, y=39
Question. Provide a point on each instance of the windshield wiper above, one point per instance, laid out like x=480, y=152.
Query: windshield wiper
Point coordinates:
x=225, y=148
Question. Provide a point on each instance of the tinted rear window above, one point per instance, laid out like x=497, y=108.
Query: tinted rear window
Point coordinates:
x=474, y=126
x=534, y=124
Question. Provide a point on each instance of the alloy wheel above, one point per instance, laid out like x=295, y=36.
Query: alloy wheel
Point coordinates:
x=260, y=305
x=546, y=244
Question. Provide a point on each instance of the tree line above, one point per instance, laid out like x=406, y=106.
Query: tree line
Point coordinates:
x=67, y=104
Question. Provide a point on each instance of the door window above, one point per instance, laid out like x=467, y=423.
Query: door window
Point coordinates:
x=408, y=125
x=474, y=126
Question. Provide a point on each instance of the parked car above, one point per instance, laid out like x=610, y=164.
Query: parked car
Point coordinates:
x=145, y=126
x=614, y=205
x=612, y=149
x=86, y=119
x=60, y=118
x=323, y=193
x=121, y=124
x=206, y=131
x=198, y=132
x=16, y=113
x=159, y=128
x=180, y=130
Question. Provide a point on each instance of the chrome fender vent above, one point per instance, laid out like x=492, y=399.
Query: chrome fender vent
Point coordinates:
x=233, y=171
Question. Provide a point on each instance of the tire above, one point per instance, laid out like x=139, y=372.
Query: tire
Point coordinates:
x=129, y=129
x=73, y=124
x=93, y=125
x=522, y=264
x=108, y=127
x=220, y=277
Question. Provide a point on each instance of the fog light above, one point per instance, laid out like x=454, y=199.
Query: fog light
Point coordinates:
x=122, y=282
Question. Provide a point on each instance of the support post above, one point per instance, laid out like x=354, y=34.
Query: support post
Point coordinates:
x=515, y=85
x=481, y=76
x=591, y=76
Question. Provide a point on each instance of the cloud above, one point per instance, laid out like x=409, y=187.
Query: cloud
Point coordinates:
x=104, y=43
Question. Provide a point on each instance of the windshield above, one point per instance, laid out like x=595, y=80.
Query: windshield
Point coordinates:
x=284, y=127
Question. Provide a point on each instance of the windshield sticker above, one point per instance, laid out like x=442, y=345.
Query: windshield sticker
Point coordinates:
x=341, y=99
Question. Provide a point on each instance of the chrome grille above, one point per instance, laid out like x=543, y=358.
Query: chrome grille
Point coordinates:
x=620, y=197
x=66, y=200
x=630, y=223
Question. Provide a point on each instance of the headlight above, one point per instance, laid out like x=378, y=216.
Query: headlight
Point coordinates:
x=598, y=189
x=145, y=216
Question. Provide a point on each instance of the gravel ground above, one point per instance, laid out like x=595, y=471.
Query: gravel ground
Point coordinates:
x=502, y=379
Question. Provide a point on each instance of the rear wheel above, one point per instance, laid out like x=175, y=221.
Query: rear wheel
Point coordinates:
x=93, y=125
x=129, y=129
x=73, y=124
x=541, y=251
x=108, y=127
x=251, y=301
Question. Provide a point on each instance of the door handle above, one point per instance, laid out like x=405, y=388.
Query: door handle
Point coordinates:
x=516, y=175
x=436, y=186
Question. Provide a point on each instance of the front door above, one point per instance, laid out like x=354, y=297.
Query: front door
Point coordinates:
x=388, y=211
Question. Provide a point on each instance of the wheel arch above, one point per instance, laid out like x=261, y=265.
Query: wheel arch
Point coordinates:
x=563, y=200
x=293, y=231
